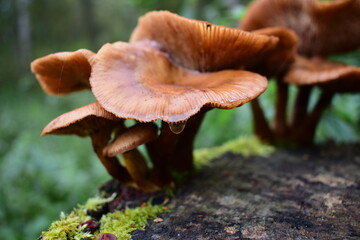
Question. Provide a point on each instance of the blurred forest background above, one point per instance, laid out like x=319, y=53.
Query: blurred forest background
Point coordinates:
x=42, y=176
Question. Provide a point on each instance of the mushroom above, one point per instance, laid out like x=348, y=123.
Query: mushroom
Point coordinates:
x=323, y=28
x=126, y=143
x=205, y=47
x=275, y=65
x=199, y=45
x=154, y=87
x=91, y=120
x=277, y=61
x=323, y=73
x=173, y=70
x=182, y=68
x=331, y=77
x=64, y=72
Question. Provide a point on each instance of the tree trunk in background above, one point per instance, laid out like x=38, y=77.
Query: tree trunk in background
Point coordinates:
x=24, y=33
x=89, y=23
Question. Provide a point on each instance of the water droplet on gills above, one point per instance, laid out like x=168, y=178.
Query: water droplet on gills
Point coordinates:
x=177, y=127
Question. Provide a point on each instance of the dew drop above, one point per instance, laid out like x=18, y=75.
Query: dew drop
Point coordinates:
x=177, y=127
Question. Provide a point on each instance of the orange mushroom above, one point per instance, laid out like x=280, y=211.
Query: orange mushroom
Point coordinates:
x=126, y=143
x=200, y=45
x=331, y=77
x=275, y=64
x=277, y=61
x=153, y=87
x=91, y=120
x=323, y=28
x=64, y=72
x=174, y=69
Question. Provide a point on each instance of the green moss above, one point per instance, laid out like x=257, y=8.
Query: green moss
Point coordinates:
x=68, y=225
x=121, y=223
x=96, y=202
x=243, y=145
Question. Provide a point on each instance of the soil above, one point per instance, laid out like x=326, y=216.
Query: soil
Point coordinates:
x=310, y=193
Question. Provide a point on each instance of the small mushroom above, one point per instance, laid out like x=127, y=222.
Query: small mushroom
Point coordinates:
x=331, y=77
x=126, y=143
x=131, y=138
x=91, y=120
x=64, y=72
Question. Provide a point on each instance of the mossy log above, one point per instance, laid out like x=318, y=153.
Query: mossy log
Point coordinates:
x=291, y=194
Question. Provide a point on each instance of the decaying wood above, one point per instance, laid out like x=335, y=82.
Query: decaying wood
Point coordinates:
x=292, y=194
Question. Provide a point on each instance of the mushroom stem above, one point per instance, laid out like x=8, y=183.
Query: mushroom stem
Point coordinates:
x=183, y=152
x=172, y=152
x=280, y=123
x=161, y=152
x=111, y=164
x=138, y=170
x=322, y=104
x=261, y=127
x=301, y=105
x=307, y=137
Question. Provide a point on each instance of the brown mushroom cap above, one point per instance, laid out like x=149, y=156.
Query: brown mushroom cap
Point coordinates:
x=81, y=121
x=323, y=27
x=64, y=72
x=200, y=45
x=335, y=77
x=139, y=82
x=282, y=55
x=131, y=138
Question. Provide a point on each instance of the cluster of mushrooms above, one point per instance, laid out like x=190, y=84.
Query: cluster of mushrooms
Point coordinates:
x=174, y=70
x=322, y=29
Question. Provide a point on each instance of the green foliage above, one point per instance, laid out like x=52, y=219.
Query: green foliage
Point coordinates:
x=41, y=176
x=339, y=123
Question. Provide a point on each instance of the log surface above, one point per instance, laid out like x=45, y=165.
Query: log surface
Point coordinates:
x=291, y=194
